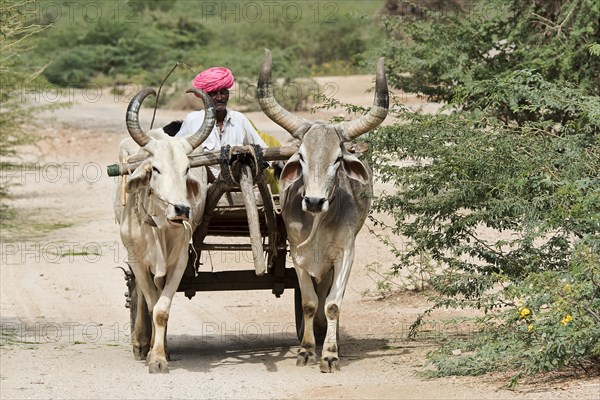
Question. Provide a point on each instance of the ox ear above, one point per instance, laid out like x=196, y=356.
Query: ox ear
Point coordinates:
x=292, y=171
x=355, y=169
x=140, y=177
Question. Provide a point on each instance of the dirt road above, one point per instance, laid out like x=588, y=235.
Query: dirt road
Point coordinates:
x=65, y=328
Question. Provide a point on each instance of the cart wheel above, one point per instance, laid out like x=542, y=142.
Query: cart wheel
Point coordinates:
x=320, y=324
x=132, y=303
x=139, y=351
x=299, y=314
x=130, y=298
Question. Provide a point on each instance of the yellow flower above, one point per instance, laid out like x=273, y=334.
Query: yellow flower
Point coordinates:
x=566, y=319
x=524, y=312
x=530, y=328
x=567, y=287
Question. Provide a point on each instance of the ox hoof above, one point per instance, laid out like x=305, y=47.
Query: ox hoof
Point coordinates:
x=306, y=357
x=158, y=367
x=330, y=364
x=140, y=352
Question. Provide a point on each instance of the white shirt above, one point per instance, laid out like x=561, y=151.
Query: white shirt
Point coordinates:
x=237, y=131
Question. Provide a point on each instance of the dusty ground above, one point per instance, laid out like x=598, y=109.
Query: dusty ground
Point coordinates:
x=65, y=328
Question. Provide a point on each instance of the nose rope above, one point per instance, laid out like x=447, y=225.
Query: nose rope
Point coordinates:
x=152, y=192
x=314, y=229
x=316, y=223
x=332, y=197
x=150, y=218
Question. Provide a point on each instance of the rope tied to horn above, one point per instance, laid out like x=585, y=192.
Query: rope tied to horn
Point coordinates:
x=251, y=155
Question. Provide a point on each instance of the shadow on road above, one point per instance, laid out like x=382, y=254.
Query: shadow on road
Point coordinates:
x=203, y=354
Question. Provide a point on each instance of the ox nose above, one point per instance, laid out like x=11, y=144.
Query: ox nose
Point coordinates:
x=182, y=211
x=314, y=204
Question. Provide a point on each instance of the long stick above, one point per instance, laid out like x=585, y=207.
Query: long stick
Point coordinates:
x=253, y=224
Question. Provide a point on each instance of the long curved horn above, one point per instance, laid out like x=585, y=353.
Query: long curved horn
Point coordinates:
x=208, y=124
x=353, y=129
x=296, y=126
x=132, y=118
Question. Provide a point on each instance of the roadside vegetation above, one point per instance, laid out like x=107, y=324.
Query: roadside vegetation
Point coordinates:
x=124, y=42
x=504, y=191
x=15, y=74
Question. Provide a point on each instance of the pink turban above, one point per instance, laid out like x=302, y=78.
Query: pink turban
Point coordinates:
x=214, y=79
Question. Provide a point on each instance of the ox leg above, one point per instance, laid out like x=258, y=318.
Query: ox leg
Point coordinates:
x=142, y=334
x=157, y=358
x=320, y=323
x=330, y=361
x=310, y=302
x=142, y=328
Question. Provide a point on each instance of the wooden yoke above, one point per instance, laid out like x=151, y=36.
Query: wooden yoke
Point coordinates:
x=214, y=157
x=202, y=159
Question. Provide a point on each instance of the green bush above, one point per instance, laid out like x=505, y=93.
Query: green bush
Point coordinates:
x=17, y=76
x=114, y=48
x=140, y=40
x=492, y=37
x=502, y=189
x=552, y=321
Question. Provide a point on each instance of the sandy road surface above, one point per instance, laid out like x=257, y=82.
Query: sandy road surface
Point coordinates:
x=65, y=328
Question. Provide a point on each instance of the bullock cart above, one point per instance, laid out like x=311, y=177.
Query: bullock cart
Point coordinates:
x=239, y=206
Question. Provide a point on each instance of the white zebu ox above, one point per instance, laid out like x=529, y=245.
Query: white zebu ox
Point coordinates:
x=325, y=200
x=165, y=203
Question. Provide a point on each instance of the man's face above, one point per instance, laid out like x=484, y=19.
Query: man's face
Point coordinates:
x=220, y=99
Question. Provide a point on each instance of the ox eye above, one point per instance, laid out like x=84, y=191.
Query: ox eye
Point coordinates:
x=187, y=171
x=338, y=160
x=300, y=157
x=154, y=169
